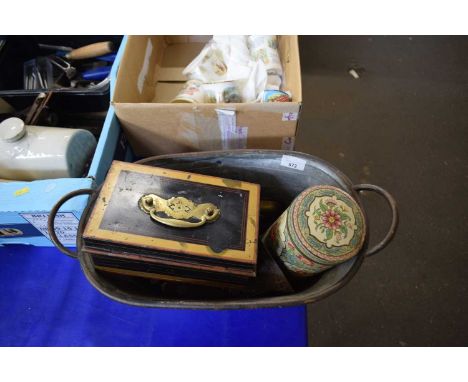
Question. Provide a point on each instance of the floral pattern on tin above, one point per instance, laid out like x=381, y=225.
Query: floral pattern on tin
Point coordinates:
x=331, y=221
x=300, y=226
x=288, y=253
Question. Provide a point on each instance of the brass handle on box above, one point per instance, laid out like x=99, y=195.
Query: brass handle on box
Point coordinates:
x=179, y=210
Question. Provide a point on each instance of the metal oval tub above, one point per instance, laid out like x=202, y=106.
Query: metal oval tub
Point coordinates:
x=282, y=176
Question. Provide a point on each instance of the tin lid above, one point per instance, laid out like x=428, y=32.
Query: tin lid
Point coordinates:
x=326, y=224
x=12, y=129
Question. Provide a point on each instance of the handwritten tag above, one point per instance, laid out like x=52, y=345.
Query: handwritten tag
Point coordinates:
x=289, y=117
x=293, y=162
x=288, y=143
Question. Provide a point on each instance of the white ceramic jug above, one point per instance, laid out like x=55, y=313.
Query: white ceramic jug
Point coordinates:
x=39, y=152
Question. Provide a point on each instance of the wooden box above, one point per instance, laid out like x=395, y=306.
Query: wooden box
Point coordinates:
x=174, y=225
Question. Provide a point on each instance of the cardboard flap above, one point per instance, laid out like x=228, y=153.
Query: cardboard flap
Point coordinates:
x=187, y=38
x=289, y=53
x=171, y=74
x=163, y=128
x=136, y=72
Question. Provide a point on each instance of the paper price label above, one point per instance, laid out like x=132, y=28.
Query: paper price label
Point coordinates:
x=232, y=136
x=66, y=226
x=293, y=162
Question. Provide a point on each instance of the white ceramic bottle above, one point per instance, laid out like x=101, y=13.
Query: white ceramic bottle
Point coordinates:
x=38, y=152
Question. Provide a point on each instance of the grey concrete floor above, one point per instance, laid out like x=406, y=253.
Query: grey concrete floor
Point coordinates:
x=402, y=125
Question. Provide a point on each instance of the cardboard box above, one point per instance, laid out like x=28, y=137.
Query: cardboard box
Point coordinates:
x=149, y=77
x=25, y=206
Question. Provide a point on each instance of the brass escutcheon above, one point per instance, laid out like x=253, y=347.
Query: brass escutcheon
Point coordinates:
x=179, y=210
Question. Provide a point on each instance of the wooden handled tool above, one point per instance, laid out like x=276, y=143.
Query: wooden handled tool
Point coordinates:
x=37, y=107
x=90, y=51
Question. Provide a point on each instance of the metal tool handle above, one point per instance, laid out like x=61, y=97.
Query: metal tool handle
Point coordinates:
x=393, y=206
x=53, y=214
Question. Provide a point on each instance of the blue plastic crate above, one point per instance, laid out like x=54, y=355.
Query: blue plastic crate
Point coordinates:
x=25, y=206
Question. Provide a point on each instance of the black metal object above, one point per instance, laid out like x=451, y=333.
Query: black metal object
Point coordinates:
x=279, y=184
x=19, y=49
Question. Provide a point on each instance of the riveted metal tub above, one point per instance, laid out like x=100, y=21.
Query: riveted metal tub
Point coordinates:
x=282, y=176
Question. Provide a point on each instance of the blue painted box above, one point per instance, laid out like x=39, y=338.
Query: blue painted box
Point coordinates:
x=25, y=206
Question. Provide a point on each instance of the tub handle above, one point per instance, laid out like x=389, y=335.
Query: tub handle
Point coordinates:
x=53, y=214
x=393, y=206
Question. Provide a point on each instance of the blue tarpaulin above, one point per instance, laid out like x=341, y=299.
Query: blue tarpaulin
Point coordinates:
x=45, y=300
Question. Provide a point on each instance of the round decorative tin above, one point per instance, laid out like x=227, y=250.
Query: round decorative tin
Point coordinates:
x=324, y=226
x=275, y=96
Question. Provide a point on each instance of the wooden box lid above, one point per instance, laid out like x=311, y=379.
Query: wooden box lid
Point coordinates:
x=119, y=218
